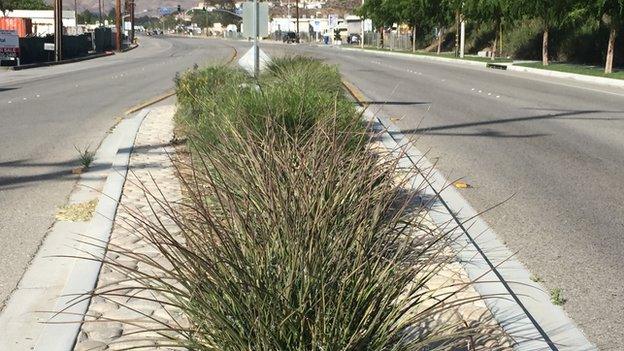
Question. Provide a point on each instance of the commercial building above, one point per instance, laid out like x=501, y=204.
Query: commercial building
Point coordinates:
x=43, y=20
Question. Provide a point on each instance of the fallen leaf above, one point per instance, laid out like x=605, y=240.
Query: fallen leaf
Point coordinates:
x=462, y=185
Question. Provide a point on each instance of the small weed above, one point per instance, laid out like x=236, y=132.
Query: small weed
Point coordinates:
x=536, y=278
x=85, y=155
x=556, y=296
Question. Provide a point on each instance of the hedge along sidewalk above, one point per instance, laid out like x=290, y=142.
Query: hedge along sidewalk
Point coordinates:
x=509, y=66
x=150, y=164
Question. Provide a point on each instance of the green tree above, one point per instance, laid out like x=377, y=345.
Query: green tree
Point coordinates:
x=411, y=12
x=492, y=11
x=202, y=18
x=382, y=12
x=86, y=17
x=439, y=14
x=551, y=14
x=611, y=12
x=9, y=5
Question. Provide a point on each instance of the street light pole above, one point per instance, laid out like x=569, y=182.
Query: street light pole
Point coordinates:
x=58, y=30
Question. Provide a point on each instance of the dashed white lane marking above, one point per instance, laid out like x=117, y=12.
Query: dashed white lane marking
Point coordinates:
x=24, y=99
x=9, y=102
x=480, y=91
x=38, y=95
x=489, y=94
x=497, y=96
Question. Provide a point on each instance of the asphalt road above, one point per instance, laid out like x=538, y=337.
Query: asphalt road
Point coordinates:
x=44, y=112
x=557, y=146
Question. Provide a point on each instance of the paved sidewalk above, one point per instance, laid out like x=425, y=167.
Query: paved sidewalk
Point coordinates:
x=150, y=163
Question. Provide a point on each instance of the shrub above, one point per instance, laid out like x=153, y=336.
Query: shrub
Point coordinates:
x=295, y=244
x=295, y=91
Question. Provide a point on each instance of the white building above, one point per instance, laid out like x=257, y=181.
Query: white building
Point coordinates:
x=43, y=20
x=289, y=24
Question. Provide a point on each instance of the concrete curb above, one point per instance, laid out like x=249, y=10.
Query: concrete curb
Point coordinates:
x=130, y=47
x=520, y=306
x=54, y=63
x=578, y=77
x=419, y=57
x=60, y=334
x=509, y=67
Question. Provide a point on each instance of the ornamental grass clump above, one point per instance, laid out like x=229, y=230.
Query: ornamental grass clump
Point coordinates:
x=297, y=92
x=293, y=243
x=293, y=235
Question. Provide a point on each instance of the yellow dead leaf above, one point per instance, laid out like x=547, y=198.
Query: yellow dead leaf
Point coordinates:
x=461, y=185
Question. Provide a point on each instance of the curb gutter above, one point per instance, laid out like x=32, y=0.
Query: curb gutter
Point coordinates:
x=55, y=63
x=61, y=333
x=520, y=306
x=578, y=77
x=55, y=276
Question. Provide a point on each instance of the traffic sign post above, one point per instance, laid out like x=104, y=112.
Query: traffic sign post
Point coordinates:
x=255, y=25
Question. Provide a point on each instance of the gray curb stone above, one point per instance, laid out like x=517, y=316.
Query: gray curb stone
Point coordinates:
x=60, y=334
x=479, y=247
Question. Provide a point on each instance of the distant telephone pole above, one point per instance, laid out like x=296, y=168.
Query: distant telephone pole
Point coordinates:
x=297, y=14
x=100, y=8
x=118, y=24
x=132, y=4
x=76, y=15
x=58, y=30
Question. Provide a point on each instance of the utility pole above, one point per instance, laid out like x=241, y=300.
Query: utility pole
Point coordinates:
x=76, y=15
x=132, y=21
x=118, y=24
x=58, y=30
x=297, y=14
x=362, y=28
x=100, y=8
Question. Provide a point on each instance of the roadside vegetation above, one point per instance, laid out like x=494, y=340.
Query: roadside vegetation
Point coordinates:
x=294, y=234
x=573, y=31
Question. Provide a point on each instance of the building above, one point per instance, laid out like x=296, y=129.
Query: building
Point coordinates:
x=43, y=20
x=306, y=25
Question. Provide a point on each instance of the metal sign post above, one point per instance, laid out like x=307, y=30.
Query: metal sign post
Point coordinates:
x=255, y=26
x=256, y=31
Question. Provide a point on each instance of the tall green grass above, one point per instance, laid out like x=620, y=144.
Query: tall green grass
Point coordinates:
x=296, y=92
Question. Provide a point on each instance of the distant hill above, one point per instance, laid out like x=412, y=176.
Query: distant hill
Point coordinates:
x=340, y=7
x=141, y=5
